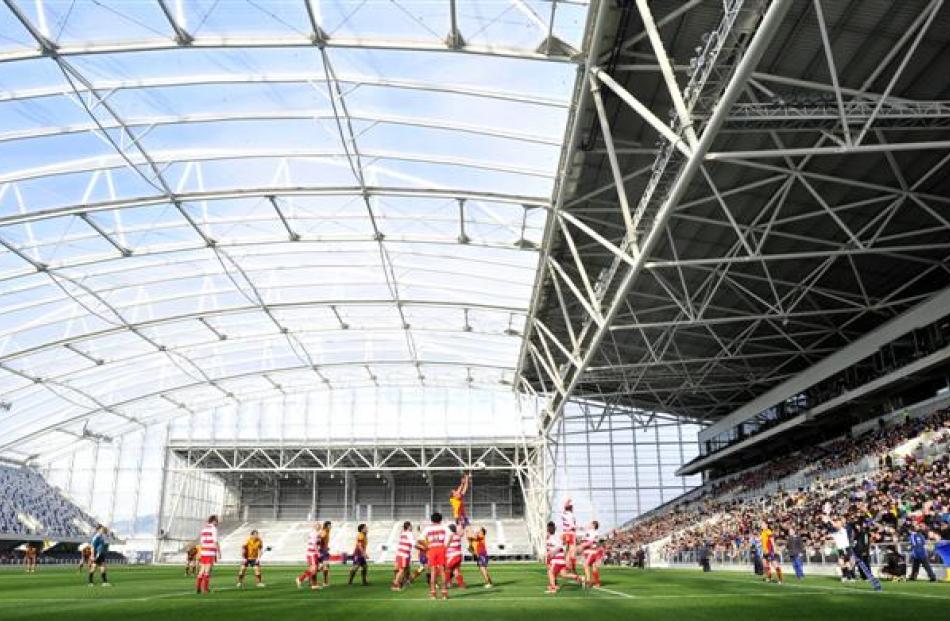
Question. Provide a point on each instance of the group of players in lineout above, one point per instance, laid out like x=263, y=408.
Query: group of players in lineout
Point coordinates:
x=438, y=548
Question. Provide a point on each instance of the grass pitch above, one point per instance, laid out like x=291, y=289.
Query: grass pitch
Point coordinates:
x=164, y=593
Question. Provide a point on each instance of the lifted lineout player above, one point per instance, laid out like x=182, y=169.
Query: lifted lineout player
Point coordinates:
x=210, y=553
x=313, y=559
x=769, y=553
x=251, y=557
x=436, y=537
x=556, y=562
x=569, y=534
x=457, y=500
x=359, y=555
x=402, y=568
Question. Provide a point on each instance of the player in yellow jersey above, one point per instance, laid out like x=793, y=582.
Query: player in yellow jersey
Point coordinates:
x=770, y=553
x=251, y=557
x=457, y=501
x=360, y=554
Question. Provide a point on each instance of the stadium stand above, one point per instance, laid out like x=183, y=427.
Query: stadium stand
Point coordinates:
x=30, y=506
x=285, y=541
x=890, y=479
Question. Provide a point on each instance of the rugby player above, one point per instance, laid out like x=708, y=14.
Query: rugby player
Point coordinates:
x=569, y=534
x=436, y=537
x=209, y=555
x=313, y=560
x=359, y=555
x=457, y=501
x=324, y=552
x=556, y=561
x=403, y=565
x=590, y=546
x=251, y=557
x=29, y=558
x=453, y=558
x=480, y=552
x=770, y=558
x=191, y=560
x=100, y=547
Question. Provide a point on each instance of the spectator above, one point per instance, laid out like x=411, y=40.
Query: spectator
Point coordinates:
x=795, y=548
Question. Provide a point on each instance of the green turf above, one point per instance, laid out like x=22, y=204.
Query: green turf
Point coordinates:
x=164, y=593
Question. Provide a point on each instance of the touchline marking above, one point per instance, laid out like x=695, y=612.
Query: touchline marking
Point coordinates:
x=612, y=592
x=517, y=598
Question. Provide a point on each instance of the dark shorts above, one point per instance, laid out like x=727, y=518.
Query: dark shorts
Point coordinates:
x=101, y=559
x=359, y=560
x=844, y=554
x=252, y=562
x=771, y=557
x=481, y=560
x=423, y=559
x=324, y=556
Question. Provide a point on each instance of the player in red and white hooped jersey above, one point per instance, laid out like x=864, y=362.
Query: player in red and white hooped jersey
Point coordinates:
x=313, y=559
x=403, y=565
x=590, y=546
x=210, y=552
x=437, y=537
x=569, y=534
x=453, y=557
x=556, y=560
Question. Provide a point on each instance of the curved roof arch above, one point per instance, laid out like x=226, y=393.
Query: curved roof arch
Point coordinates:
x=200, y=205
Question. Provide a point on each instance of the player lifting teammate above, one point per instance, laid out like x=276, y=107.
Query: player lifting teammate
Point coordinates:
x=479, y=547
x=436, y=537
x=359, y=555
x=209, y=554
x=323, y=549
x=423, y=567
x=402, y=568
x=251, y=557
x=453, y=557
x=556, y=560
x=593, y=551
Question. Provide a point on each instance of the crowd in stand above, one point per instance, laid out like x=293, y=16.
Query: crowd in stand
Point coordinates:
x=30, y=506
x=901, y=494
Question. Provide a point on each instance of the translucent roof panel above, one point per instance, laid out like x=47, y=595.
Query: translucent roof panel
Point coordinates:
x=203, y=203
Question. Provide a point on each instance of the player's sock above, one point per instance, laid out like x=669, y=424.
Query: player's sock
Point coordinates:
x=104, y=578
x=596, y=573
x=91, y=577
x=768, y=575
x=778, y=572
x=198, y=582
x=459, y=580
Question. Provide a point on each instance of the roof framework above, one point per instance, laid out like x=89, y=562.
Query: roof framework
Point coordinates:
x=202, y=204
x=752, y=186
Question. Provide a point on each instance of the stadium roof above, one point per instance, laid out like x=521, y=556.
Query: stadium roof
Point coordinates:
x=813, y=207
x=205, y=202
